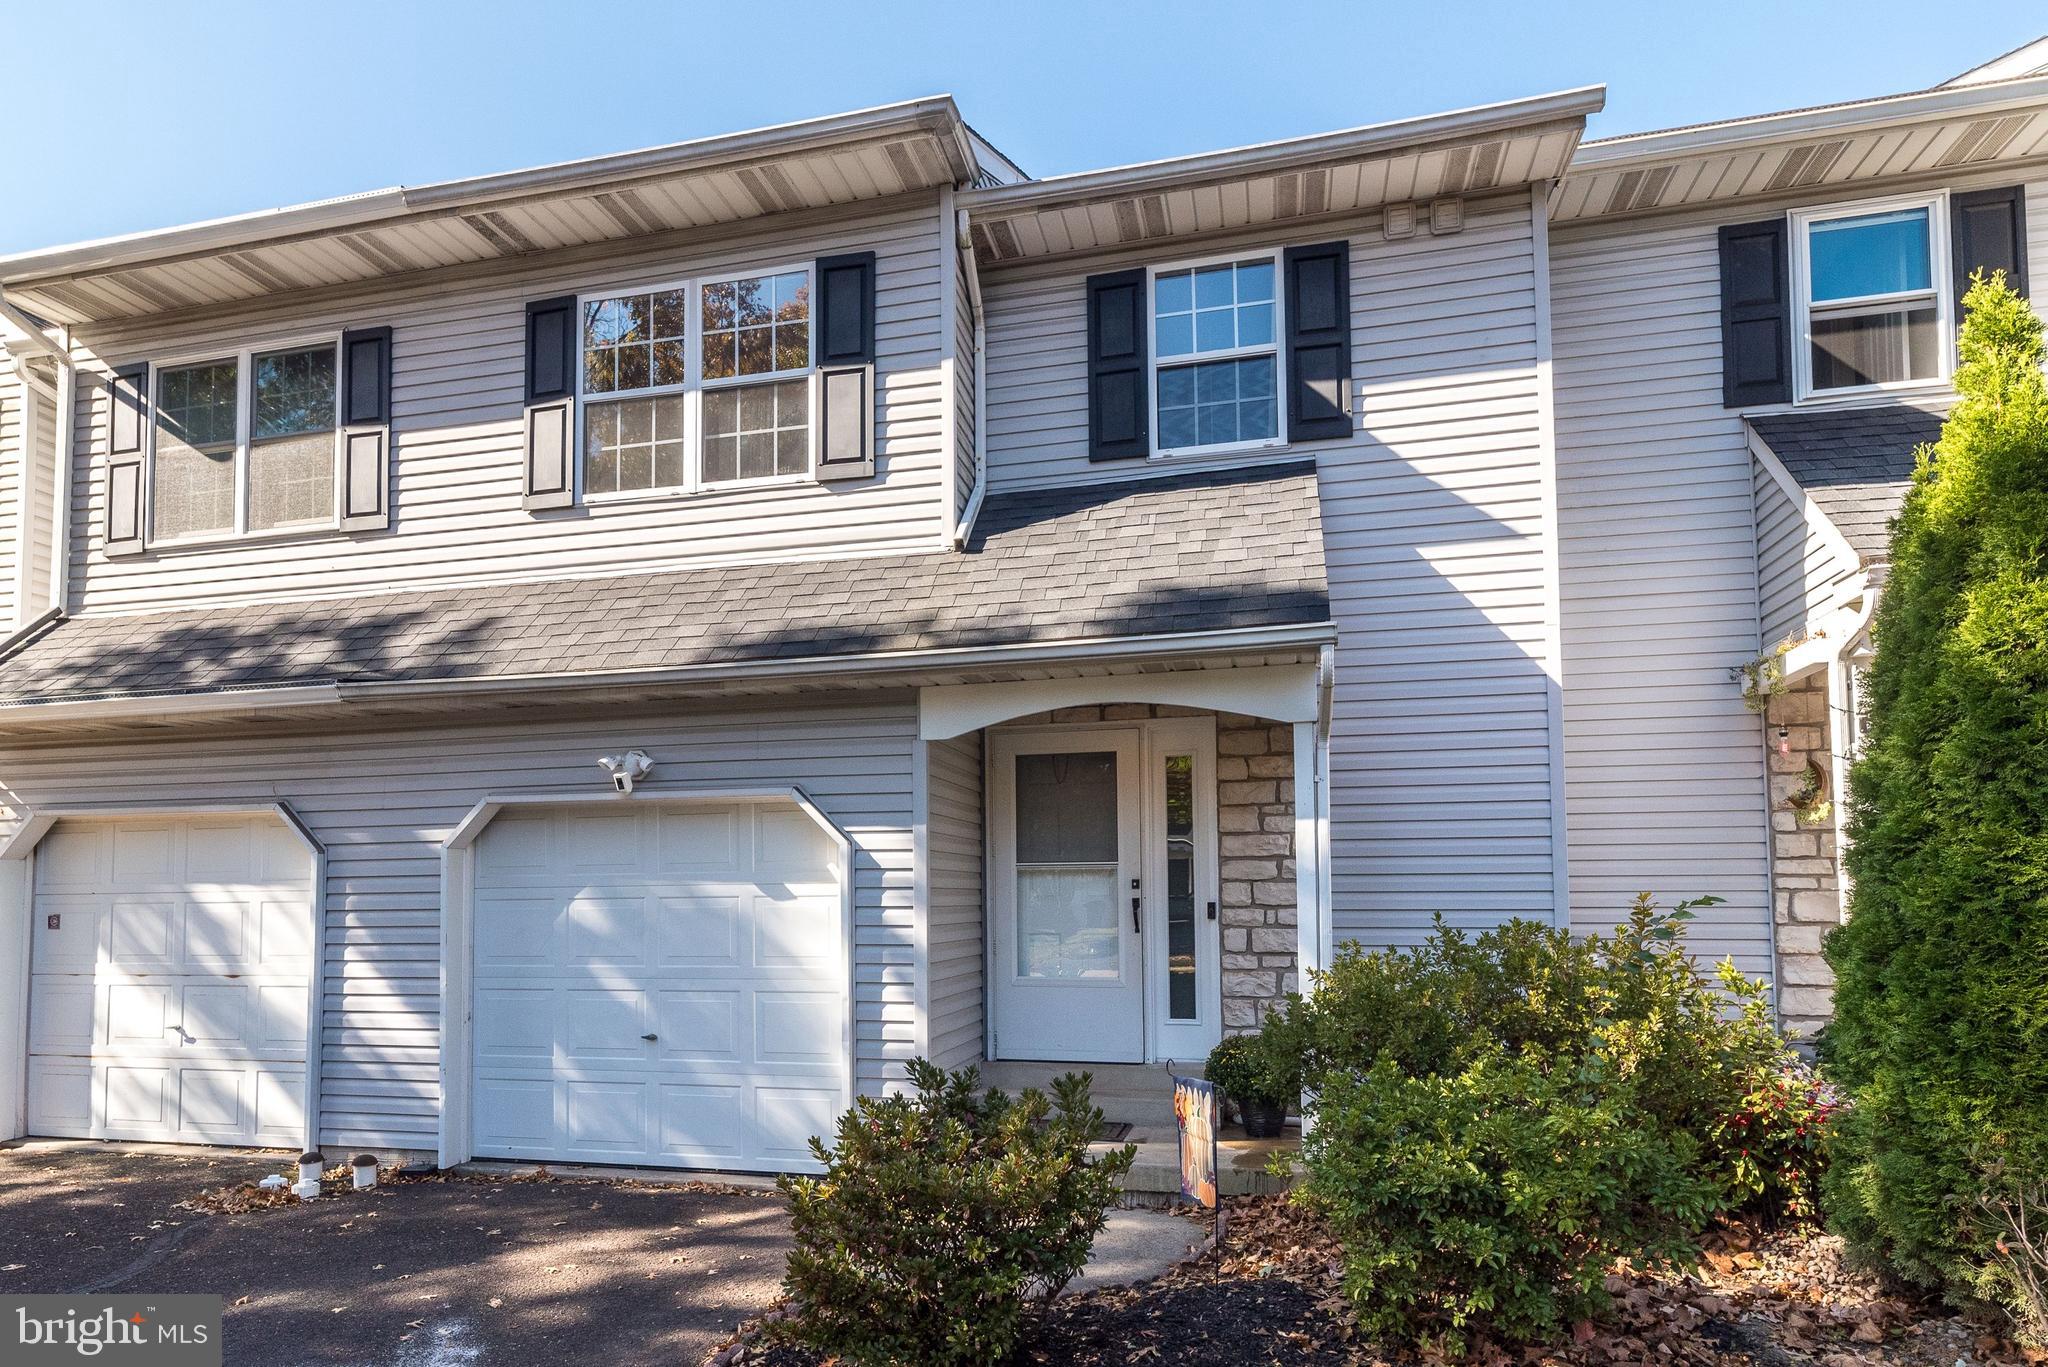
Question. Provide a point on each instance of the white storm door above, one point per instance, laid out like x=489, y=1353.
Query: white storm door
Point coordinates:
x=1066, y=907
x=1183, y=939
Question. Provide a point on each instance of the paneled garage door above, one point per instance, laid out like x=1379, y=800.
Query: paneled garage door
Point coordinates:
x=169, y=966
x=658, y=984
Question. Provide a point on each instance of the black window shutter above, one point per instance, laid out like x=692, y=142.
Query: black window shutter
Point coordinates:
x=1756, y=314
x=1119, y=412
x=365, y=429
x=127, y=415
x=1318, y=341
x=550, y=402
x=845, y=321
x=1988, y=232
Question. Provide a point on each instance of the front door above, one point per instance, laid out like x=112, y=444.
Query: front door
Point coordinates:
x=1067, y=903
x=1104, y=896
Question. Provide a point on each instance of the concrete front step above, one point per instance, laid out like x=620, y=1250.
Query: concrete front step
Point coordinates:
x=1137, y=1094
x=1241, y=1165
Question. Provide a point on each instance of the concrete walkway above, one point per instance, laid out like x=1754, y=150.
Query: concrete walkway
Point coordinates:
x=1136, y=1246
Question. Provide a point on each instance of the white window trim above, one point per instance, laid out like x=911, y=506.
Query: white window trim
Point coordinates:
x=244, y=359
x=1278, y=351
x=695, y=385
x=1939, y=268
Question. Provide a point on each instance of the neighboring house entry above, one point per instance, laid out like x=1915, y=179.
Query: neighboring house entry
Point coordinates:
x=659, y=983
x=1105, y=944
x=170, y=966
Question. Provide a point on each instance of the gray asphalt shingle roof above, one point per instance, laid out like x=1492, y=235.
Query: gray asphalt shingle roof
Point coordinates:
x=1186, y=553
x=1855, y=464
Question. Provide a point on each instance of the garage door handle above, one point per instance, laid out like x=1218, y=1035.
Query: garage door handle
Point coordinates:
x=650, y=1038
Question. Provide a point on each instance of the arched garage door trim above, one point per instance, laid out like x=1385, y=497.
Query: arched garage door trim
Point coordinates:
x=458, y=944
x=17, y=903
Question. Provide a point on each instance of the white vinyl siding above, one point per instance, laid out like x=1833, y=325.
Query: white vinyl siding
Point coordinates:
x=1665, y=765
x=381, y=803
x=457, y=397
x=1800, y=570
x=1434, y=528
x=953, y=939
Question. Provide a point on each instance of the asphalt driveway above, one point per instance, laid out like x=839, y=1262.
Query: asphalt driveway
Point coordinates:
x=413, y=1274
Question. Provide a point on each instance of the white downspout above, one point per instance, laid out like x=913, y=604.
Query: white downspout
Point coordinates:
x=66, y=438
x=1841, y=703
x=965, y=528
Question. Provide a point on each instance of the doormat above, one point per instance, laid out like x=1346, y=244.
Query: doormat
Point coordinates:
x=1113, y=1132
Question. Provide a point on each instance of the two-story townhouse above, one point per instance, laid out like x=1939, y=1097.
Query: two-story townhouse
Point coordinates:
x=605, y=662
x=1754, y=331
x=1018, y=620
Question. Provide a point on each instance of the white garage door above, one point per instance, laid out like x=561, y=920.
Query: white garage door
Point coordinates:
x=658, y=984
x=168, y=981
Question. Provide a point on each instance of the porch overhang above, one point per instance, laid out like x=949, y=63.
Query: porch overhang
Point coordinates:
x=1277, y=692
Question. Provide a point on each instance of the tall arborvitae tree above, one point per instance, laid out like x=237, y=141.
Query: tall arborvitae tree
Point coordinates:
x=1941, y=1029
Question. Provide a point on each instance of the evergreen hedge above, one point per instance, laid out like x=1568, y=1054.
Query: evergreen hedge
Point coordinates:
x=1941, y=1027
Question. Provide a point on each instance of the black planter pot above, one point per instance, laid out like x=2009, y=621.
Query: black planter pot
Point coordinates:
x=1263, y=1119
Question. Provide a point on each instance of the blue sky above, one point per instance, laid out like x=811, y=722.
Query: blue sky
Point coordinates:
x=145, y=115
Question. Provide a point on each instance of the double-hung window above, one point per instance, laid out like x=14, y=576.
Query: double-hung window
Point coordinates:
x=697, y=384
x=244, y=444
x=1872, y=296
x=1216, y=356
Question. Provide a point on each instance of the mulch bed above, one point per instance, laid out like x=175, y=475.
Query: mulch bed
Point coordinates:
x=1270, y=1295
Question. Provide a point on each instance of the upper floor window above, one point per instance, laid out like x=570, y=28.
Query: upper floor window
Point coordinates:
x=244, y=444
x=1872, y=296
x=1215, y=343
x=720, y=368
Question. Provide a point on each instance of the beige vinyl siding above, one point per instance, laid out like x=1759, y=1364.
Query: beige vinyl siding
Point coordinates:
x=1664, y=764
x=953, y=938
x=457, y=395
x=1800, y=569
x=382, y=802
x=1435, y=529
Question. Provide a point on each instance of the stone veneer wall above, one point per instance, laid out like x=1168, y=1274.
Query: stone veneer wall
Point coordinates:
x=1805, y=883
x=1255, y=849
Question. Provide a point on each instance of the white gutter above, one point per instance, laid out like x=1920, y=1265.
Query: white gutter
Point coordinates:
x=1853, y=115
x=1477, y=121
x=965, y=242
x=1154, y=647
x=932, y=114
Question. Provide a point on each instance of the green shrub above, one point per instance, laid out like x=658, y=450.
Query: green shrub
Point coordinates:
x=940, y=1215
x=1495, y=1198
x=1941, y=1027
x=1498, y=1118
x=1772, y=1148
x=1257, y=1069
